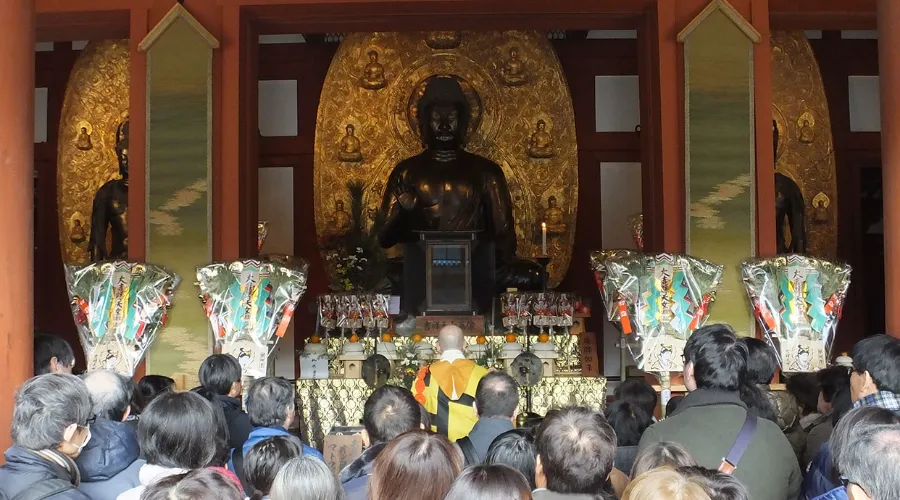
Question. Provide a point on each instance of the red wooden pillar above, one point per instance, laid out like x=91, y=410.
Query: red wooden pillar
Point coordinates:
x=16, y=201
x=889, y=75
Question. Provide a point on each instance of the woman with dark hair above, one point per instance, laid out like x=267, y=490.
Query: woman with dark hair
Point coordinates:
x=831, y=382
x=664, y=453
x=265, y=460
x=629, y=421
x=178, y=432
x=306, y=478
x=417, y=465
x=514, y=449
x=201, y=484
x=490, y=482
x=152, y=386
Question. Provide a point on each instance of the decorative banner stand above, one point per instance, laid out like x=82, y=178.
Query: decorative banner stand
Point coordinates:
x=798, y=302
x=249, y=304
x=118, y=308
x=660, y=301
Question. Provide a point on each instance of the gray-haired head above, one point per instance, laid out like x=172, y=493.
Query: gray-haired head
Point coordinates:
x=270, y=402
x=843, y=433
x=305, y=478
x=451, y=337
x=870, y=461
x=45, y=406
x=110, y=394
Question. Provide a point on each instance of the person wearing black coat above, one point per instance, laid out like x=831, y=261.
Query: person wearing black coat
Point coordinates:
x=220, y=374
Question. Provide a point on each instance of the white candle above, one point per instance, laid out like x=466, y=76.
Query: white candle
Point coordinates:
x=544, y=239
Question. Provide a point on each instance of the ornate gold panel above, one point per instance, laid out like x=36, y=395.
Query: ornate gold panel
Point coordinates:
x=96, y=100
x=806, y=149
x=509, y=96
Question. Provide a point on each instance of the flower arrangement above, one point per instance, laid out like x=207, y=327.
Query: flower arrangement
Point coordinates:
x=407, y=364
x=349, y=269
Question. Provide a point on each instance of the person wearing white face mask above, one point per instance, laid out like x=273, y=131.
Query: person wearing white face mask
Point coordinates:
x=49, y=430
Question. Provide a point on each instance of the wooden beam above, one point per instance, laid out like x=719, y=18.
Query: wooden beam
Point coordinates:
x=73, y=6
x=822, y=14
x=70, y=26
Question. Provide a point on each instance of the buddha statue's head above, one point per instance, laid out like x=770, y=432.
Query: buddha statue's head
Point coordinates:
x=443, y=114
x=122, y=147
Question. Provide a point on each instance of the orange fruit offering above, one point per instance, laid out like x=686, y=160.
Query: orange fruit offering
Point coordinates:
x=481, y=339
x=511, y=337
x=543, y=337
x=354, y=338
x=387, y=337
x=417, y=338
x=315, y=339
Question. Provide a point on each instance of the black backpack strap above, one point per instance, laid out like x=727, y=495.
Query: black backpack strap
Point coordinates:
x=468, y=449
x=45, y=489
x=741, y=443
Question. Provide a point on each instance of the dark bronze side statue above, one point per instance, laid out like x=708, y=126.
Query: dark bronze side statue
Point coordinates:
x=446, y=188
x=110, y=207
x=789, y=209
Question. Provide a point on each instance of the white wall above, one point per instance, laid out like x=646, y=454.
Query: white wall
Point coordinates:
x=276, y=205
x=620, y=197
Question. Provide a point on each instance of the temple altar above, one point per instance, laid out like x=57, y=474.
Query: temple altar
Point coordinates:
x=324, y=404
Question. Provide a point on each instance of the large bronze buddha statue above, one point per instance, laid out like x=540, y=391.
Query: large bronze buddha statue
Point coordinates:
x=789, y=209
x=446, y=188
x=110, y=207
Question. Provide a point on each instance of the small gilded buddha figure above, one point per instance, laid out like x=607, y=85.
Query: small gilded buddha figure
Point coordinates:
x=83, y=141
x=373, y=74
x=513, y=73
x=541, y=144
x=350, y=151
x=820, y=203
x=554, y=217
x=339, y=222
x=807, y=134
x=77, y=234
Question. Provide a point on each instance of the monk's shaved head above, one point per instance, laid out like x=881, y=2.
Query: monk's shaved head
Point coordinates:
x=451, y=337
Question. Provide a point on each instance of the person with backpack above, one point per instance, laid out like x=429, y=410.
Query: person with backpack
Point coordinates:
x=49, y=430
x=712, y=422
x=497, y=406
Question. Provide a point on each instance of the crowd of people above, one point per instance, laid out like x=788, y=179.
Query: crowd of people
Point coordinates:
x=831, y=435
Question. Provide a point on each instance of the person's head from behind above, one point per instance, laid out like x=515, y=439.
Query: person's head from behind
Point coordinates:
x=389, y=412
x=714, y=359
x=576, y=448
x=51, y=412
x=665, y=483
x=52, y=354
x=201, y=484
x=223, y=455
x=110, y=395
x=451, y=338
x=629, y=421
x=265, y=460
x=515, y=449
x=221, y=374
x=761, y=361
x=805, y=389
x=177, y=431
x=497, y=396
x=490, y=482
x=844, y=432
x=151, y=386
x=662, y=454
x=638, y=392
x=305, y=478
x=870, y=462
x=270, y=403
x=718, y=486
x=876, y=367
x=832, y=381
x=411, y=460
